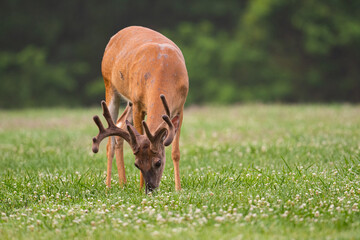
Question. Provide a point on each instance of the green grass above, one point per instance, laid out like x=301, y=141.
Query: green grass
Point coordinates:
x=247, y=172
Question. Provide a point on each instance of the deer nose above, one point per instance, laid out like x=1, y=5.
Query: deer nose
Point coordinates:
x=150, y=187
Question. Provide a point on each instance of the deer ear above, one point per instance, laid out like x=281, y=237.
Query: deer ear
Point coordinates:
x=176, y=122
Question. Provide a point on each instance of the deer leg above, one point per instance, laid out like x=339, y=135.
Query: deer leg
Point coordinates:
x=119, y=144
x=119, y=154
x=110, y=157
x=113, y=103
x=175, y=155
x=138, y=116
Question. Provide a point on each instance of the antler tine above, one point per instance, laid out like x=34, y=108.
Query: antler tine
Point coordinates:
x=112, y=130
x=106, y=114
x=97, y=121
x=166, y=106
x=147, y=131
x=161, y=130
x=171, y=134
x=159, y=133
x=133, y=133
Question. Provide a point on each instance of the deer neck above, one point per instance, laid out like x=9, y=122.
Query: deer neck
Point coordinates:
x=154, y=115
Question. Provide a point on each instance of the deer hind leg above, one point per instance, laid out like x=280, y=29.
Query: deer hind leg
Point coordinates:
x=113, y=103
x=175, y=155
x=138, y=116
x=119, y=144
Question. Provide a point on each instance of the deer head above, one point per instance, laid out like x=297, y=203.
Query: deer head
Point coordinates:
x=149, y=149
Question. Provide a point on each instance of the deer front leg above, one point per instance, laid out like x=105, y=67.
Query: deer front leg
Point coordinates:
x=113, y=103
x=175, y=155
x=119, y=144
x=110, y=156
x=138, y=116
x=119, y=154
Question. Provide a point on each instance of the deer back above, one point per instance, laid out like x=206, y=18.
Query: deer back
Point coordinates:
x=141, y=64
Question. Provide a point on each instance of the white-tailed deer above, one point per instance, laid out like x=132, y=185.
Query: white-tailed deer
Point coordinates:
x=148, y=70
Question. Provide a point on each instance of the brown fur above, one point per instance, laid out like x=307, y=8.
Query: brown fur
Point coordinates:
x=140, y=64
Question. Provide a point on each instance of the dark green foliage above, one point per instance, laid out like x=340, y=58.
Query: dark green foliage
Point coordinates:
x=50, y=51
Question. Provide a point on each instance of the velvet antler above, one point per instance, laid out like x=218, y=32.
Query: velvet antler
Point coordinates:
x=112, y=130
x=161, y=130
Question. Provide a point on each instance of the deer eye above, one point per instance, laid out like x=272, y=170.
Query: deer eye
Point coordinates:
x=137, y=166
x=158, y=163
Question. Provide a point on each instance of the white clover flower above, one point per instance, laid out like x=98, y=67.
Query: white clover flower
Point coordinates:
x=31, y=227
x=247, y=217
x=285, y=214
x=219, y=219
x=355, y=207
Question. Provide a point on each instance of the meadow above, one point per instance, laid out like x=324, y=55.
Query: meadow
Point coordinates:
x=248, y=172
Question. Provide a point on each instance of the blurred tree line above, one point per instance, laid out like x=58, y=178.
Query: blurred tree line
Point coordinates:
x=251, y=50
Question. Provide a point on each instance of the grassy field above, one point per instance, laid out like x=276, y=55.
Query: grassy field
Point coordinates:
x=248, y=172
